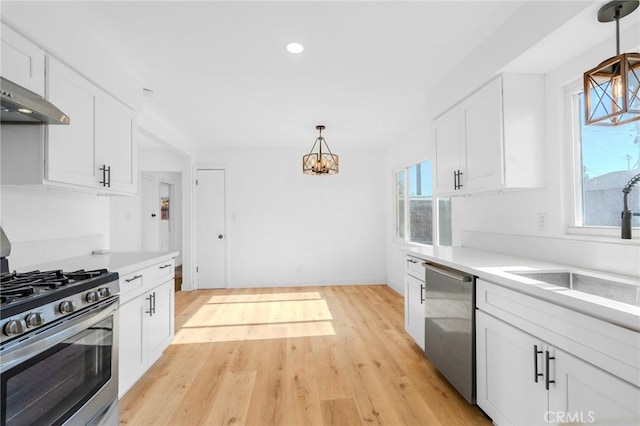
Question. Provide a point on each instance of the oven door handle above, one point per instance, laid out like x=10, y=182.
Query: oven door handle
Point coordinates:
x=16, y=352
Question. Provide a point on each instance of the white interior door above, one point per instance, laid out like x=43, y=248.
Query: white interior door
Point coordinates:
x=150, y=214
x=210, y=229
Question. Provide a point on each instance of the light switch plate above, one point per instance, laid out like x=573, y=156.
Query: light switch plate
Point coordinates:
x=543, y=219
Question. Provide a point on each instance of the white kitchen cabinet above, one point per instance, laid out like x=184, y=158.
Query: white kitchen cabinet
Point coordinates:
x=22, y=61
x=73, y=150
x=414, y=300
x=96, y=152
x=160, y=321
x=506, y=389
x=119, y=147
x=146, y=320
x=131, y=353
x=526, y=371
x=494, y=139
x=585, y=389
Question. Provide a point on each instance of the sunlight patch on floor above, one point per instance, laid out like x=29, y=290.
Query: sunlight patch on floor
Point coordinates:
x=235, y=313
x=268, y=297
x=225, y=318
x=253, y=332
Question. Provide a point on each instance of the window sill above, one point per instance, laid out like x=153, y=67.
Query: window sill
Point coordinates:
x=603, y=233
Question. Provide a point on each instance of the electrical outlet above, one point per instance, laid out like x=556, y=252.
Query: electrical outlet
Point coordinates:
x=543, y=218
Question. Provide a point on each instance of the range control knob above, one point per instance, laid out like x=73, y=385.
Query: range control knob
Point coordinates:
x=34, y=319
x=67, y=307
x=104, y=292
x=14, y=327
x=92, y=296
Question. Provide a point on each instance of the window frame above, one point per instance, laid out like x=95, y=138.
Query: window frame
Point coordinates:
x=575, y=224
x=407, y=200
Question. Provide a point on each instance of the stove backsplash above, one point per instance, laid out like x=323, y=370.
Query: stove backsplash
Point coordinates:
x=46, y=226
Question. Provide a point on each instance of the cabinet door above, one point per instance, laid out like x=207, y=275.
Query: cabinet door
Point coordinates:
x=482, y=119
x=160, y=323
x=447, y=141
x=131, y=350
x=22, y=61
x=71, y=149
x=414, y=307
x=506, y=386
x=583, y=393
x=119, y=151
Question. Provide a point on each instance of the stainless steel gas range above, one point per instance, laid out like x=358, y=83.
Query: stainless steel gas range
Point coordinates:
x=59, y=347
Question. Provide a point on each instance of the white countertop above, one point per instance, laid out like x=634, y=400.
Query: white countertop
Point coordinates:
x=121, y=262
x=496, y=268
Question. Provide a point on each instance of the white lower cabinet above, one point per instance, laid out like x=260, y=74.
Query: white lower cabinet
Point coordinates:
x=414, y=300
x=146, y=321
x=522, y=380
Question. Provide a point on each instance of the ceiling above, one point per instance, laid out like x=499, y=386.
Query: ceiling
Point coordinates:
x=221, y=75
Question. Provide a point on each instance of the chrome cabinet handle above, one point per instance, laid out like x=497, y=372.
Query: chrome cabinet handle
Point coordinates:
x=536, y=374
x=547, y=379
x=150, y=311
x=135, y=277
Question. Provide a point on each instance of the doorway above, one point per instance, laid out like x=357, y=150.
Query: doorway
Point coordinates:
x=161, y=212
x=211, y=240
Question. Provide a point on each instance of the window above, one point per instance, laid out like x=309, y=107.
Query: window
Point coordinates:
x=607, y=157
x=415, y=213
x=400, y=216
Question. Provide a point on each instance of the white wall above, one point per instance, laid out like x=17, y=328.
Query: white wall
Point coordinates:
x=286, y=228
x=34, y=215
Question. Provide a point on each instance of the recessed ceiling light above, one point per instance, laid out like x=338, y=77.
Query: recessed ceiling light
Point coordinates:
x=295, y=48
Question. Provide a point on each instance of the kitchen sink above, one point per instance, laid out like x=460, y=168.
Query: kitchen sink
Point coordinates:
x=613, y=290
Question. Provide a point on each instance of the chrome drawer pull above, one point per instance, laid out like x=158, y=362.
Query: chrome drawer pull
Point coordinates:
x=133, y=278
x=164, y=266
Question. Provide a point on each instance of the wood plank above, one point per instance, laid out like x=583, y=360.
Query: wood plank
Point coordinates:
x=340, y=412
x=294, y=356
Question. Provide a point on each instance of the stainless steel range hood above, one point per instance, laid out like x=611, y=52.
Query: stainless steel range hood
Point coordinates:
x=21, y=106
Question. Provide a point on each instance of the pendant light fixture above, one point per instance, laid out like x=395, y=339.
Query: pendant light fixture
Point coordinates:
x=320, y=161
x=611, y=90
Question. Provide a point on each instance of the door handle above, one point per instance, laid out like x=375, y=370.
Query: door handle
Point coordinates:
x=547, y=379
x=150, y=311
x=422, y=291
x=220, y=236
x=536, y=374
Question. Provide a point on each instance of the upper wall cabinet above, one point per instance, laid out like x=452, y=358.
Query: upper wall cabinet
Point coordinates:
x=494, y=139
x=98, y=148
x=97, y=151
x=22, y=61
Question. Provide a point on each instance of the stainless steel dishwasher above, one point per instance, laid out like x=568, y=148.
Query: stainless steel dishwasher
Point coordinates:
x=450, y=326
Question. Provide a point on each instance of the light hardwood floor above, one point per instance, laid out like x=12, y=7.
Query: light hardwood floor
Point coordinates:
x=294, y=356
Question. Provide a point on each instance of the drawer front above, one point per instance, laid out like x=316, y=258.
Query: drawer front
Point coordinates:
x=162, y=272
x=414, y=267
x=132, y=284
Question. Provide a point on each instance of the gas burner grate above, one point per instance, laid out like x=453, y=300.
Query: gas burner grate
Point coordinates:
x=81, y=274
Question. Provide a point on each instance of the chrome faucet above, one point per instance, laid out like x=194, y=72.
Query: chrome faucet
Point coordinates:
x=626, y=213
